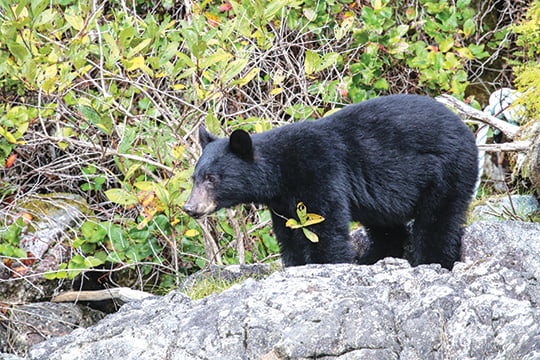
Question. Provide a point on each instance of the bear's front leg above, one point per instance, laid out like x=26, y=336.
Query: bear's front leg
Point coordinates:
x=292, y=251
x=334, y=245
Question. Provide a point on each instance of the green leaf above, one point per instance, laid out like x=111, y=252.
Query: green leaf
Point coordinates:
x=246, y=79
x=38, y=6
x=126, y=36
x=93, y=232
x=212, y=123
x=19, y=51
x=219, y=56
x=145, y=185
x=112, y=46
x=132, y=169
x=75, y=21
x=102, y=123
x=344, y=28
x=121, y=197
x=162, y=193
x=469, y=27
x=57, y=274
x=234, y=68
x=381, y=84
x=137, y=49
x=328, y=60
x=311, y=62
x=77, y=262
x=92, y=261
x=18, y=252
x=446, y=44
x=301, y=211
x=274, y=7
x=310, y=235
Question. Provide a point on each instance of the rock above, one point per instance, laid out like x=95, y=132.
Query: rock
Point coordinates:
x=33, y=323
x=4, y=356
x=228, y=274
x=514, y=245
x=53, y=215
x=511, y=207
x=486, y=308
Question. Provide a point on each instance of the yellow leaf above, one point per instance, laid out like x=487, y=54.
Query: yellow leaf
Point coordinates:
x=135, y=63
x=191, y=233
x=276, y=91
x=8, y=136
x=246, y=79
x=178, y=152
x=293, y=224
x=145, y=185
x=313, y=219
x=465, y=53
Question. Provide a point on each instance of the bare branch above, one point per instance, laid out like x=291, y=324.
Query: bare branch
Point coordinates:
x=123, y=294
x=520, y=146
x=104, y=150
x=509, y=130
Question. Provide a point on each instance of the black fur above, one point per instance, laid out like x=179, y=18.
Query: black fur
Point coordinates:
x=382, y=162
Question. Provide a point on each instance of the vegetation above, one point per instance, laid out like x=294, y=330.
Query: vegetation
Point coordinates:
x=528, y=68
x=101, y=98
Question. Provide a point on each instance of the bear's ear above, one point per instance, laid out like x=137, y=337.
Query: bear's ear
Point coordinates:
x=205, y=137
x=241, y=145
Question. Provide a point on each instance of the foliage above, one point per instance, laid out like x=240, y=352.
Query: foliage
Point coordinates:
x=430, y=44
x=528, y=68
x=10, y=238
x=305, y=219
x=102, y=99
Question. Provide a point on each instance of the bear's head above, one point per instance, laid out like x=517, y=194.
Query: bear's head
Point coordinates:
x=223, y=175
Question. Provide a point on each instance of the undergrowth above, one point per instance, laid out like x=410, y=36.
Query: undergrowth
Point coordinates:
x=102, y=99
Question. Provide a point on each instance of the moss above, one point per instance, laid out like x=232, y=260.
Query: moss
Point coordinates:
x=44, y=207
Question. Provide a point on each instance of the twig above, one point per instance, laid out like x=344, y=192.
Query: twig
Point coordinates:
x=123, y=294
x=519, y=146
x=239, y=235
x=509, y=130
x=105, y=151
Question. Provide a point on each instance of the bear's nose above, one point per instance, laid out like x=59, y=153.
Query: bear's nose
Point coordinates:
x=189, y=209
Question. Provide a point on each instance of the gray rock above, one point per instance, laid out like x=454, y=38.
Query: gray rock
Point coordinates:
x=33, y=323
x=486, y=308
x=228, y=274
x=513, y=244
x=4, y=356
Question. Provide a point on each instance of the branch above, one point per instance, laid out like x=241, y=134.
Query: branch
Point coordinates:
x=123, y=294
x=104, y=150
x=507, y=129
x=521, y=146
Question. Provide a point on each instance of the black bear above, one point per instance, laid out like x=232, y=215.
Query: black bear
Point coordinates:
x=381, y=162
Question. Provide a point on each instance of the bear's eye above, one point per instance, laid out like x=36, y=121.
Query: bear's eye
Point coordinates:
x=210, y=178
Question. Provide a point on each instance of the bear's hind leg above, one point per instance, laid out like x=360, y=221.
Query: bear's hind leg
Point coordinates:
x=334, y=246
x=437, y=235
x=385, y=242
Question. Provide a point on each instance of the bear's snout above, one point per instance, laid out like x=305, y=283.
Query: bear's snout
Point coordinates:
x=199, y=203
x=190, y=210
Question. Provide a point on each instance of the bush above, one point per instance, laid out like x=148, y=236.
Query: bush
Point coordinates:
x=102, y=100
